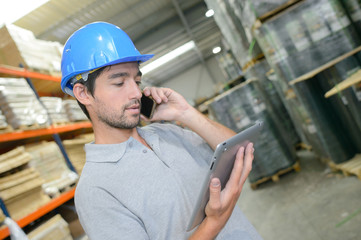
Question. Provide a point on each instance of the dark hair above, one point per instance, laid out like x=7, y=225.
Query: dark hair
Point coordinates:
x=90, y=87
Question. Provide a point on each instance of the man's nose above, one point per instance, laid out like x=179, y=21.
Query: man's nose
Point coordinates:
x=135, y=91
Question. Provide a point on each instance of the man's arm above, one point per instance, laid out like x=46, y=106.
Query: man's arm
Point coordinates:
x=173, y=107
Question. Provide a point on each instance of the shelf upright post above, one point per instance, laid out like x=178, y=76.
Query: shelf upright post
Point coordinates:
x=56, y=136
x=3, y=208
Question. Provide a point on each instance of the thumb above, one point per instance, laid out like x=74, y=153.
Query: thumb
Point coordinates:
x=215, y=194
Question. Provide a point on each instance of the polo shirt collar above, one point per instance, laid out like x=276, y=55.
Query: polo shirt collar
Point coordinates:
x=114, y=152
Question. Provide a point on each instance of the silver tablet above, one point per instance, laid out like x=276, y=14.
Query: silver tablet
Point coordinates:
x=221, y=167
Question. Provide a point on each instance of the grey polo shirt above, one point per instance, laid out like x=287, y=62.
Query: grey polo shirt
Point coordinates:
x=127, y=191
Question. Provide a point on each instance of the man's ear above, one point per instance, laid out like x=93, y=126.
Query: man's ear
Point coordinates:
x=81, y=93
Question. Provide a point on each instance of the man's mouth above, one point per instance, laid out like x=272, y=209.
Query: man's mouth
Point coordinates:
x=135, y=109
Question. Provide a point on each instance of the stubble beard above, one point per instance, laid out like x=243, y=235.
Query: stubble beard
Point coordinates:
x=114, y=120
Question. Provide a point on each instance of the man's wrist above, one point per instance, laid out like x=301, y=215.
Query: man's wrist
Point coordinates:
x=188, y=116
x=206, y=230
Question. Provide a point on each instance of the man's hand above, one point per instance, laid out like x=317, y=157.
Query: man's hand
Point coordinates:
x=222, y=203
x=171, y=105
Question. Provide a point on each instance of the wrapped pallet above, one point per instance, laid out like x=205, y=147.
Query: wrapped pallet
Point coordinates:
x=306, y=37
x=55, y=108
x=237, y=37
x=56, y=228
x=239, y=108
x=73, y=111
x=19, y=104
x=19, y=46
x=20, y=186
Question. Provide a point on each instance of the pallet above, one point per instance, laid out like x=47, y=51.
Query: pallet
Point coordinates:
x=303, y=146
x=349, y=168
x=276, y=177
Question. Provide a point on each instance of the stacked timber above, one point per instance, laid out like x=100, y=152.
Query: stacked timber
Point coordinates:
x=55, y=228
x=20, y=185
x=75, y=149
x=19, y=104
x=50, y=163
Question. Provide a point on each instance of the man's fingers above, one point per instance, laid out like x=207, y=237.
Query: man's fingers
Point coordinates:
x=158, y=94
x=215, y=194
x=247, y=163
x=237, y=169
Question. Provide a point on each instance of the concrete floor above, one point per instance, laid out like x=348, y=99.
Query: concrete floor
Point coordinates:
x=313, y=204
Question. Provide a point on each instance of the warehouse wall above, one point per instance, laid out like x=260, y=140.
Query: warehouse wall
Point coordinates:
x=196, y=82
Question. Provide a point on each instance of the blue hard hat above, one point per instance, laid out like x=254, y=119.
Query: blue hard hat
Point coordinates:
x=93, y=46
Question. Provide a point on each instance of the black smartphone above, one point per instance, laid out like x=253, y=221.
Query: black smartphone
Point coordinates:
x=147, y=106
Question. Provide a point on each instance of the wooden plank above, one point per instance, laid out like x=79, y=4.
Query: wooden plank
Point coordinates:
x=15, y=162
x=18, y=180
x=280, y=9
x=12, y=153
x=13, y=192
x=324, y=67
x=348, y=82
x=351, y=167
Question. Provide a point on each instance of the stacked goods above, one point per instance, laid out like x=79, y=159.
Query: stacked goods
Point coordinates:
x=229, y=65
x=75, y=149
x=251, y=10
x=49, y=162
x=55, y=228
x=73, y=111
x=3, y=123
x=19, y=46
x=238, y=38
x=337, y=119
x=20, y=186
x=275, y=107
x=55, y=108
x=285, y=98
x=299, y=115
x=353, y=8
x=306, y=37
x=20, y=105
x=239, y=108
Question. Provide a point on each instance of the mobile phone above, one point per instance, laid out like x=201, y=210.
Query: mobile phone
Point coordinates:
x=147, y=106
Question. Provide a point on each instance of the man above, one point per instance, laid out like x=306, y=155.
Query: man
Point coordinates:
x=142, y=183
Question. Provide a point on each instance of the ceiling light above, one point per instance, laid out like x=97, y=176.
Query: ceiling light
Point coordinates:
x=16, y=9
x=209, y=13
x=216, y=50
x=168, y=57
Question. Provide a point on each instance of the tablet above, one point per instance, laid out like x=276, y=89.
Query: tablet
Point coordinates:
x=221, y=167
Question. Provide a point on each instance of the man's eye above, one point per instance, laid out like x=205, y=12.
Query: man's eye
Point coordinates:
x=138, y=83
x=119, y=84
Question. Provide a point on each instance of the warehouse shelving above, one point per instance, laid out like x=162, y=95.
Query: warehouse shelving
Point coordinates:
x=11, y=136
x=22, y=72
x=53, y=204
x=47, y=85
x=348, y=82
x=325, y=66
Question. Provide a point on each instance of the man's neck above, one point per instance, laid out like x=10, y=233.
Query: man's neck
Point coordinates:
x=105, y=134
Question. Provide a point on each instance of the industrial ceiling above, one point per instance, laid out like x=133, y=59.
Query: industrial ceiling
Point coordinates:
x=155, y=26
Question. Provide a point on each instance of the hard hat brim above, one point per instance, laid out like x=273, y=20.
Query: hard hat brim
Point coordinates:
x=138, y=58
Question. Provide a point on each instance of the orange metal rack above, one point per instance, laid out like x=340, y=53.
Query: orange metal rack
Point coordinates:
x=22, y=72
x=56, y=202
x=16, y=135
